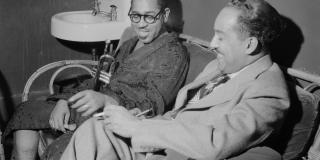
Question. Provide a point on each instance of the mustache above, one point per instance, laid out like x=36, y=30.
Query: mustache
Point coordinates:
x=214, y=50
x=143, y=30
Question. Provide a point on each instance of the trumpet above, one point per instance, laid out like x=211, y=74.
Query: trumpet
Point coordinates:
x=106, y=63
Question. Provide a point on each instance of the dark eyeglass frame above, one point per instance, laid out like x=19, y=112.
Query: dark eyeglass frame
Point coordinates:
x=145, y=17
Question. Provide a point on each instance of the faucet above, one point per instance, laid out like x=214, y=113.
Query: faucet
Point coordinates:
x=96, y=8
x=112, y=14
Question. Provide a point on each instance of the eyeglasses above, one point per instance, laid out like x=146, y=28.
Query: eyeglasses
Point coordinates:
x=136, y=18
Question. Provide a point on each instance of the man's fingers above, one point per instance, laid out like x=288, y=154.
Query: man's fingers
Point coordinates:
x=109, y=112
x=88, y=112
x=80, y=102
x=55, y=124
x=66, y=118
x=113, y=107
x=70, y=127
x=60, y=125
x=83, y=108
x=114, y=128
x=135, y=111
x=107, y=121
x=51, y=123
x=76, y=97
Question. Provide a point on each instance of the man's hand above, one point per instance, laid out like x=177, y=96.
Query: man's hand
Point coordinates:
x=120, y=121
x=181, y=98
x=89, y=101
x=60, y=116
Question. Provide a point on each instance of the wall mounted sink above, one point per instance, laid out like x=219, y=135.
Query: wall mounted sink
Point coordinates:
x=84, y=27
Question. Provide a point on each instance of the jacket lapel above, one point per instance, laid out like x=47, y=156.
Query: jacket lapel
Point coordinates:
x=228, y=90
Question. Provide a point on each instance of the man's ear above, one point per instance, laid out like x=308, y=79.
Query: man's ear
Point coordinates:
x=166, y=14
x=252, y=45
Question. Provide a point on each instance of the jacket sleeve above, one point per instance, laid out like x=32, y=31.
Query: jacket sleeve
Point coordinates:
x=256, y=115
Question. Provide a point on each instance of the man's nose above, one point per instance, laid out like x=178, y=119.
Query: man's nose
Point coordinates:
x=213, y=43
x=142, y=23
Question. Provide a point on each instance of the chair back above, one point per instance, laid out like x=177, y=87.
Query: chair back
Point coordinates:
x=302, y=122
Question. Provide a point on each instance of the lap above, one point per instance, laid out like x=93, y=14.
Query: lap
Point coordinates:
x=260, y=153
x=34, y=115
x=30, y=115
x=257, y=153
x=93, y=141
x=57, y=147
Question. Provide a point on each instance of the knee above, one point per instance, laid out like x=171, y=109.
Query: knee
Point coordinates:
x=89, y=128
x=89, y=124
x=26, y=139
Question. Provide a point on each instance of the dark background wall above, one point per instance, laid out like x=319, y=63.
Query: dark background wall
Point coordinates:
x=302, y=35
x=26, y=43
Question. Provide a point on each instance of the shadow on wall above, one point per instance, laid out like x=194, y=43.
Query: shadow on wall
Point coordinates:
x=175, y=21
x=7, y=101
x=286, y=48
x=83, y=47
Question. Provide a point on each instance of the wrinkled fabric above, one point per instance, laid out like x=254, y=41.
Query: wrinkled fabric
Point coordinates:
x=147, y=78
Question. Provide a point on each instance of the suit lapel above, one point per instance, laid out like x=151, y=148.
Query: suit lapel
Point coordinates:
x=227, y=91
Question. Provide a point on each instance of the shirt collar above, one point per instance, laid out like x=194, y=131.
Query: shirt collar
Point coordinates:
x=232, y=75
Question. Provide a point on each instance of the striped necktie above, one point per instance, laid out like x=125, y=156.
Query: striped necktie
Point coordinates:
x=209, y=86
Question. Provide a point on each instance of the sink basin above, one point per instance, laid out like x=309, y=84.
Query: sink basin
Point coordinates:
x=82, y=26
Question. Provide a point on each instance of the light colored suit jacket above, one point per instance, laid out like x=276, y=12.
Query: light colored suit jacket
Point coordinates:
x=232, y=119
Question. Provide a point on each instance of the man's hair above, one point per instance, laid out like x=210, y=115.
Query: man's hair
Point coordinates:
x=162, y=4
x=258, y=19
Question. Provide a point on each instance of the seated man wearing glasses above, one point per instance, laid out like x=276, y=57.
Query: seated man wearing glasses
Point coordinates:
x=150, y=70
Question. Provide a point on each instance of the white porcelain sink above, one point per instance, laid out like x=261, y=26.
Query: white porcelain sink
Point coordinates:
x=84, y=27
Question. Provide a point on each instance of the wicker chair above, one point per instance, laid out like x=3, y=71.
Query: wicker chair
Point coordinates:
x=61, y=65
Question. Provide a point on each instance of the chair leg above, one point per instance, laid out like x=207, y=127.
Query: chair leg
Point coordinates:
x=2, y=157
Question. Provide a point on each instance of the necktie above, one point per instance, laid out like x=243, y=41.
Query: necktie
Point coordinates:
x=209, y=86
x=206, y=89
